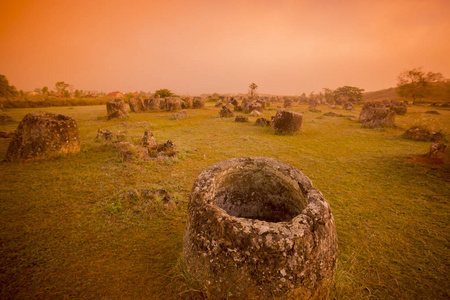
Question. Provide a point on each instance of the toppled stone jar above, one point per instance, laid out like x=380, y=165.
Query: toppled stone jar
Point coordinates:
x=256, y=228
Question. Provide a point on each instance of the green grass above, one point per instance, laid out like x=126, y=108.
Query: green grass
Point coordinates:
x=65, y=233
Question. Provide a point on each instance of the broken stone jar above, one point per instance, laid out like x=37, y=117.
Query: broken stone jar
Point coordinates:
x=256, y=228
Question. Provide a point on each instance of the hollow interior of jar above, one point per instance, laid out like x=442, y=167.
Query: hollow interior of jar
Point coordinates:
x=256, y=191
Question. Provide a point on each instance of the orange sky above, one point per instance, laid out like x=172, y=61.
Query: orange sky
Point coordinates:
x=205, y=46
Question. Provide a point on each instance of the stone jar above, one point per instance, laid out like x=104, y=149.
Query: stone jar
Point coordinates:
x=257, y=229
x=44, y=135
x=116, y=108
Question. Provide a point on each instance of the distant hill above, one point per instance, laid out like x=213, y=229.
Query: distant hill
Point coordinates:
x=386, y=94
x=440, y=92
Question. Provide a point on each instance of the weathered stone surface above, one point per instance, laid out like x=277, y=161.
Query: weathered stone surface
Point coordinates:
x=238, y=108
x=286, y=121
x=152, y=103
x=226, y=112
x=257, y=229
x=375, y=114
x=116, y=108
x=400, y=108
x=148, y=140
x=5, y=118
x=437, y=150
x=241, y=119
x=186, y=102
x=179, y=115
x=122, y=135
x=262, y=122
x=245, y=103
x=218, y=103
x=419, y=134
x=198, y=102
x=136, y=104
x=104, y=134
x=255, y=113
x=233, y=101
x=166, y=149
x=254, y=106
x=7, y=134
x=287, y=103
x=44, y=135
x=172, y=103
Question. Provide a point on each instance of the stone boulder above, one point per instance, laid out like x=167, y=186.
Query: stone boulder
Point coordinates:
x=152, y=103
x=116, y=108
x=233, y=101
x=104, y=135
x=287, y=103
x=254, y=106
x=375, y=114
x=187, y=103
x=420, y=134
x=7, y=134
x=198, y=102
x=238, y=108
x=257, y=229
x=179, y=115
x=136, y=104
x=172, y=103
x=226, y=112
x=166, y=149
x=437, y=150
x=286, y=121
x=5, y=118
x=148, y=140
x=400, y=108
x=255, y=113
x=42, y=135
x=218, y=103
x=262, y=122
x=241, y=119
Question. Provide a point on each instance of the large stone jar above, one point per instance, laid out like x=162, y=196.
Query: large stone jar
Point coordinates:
x=257, y=229
x=43, y=135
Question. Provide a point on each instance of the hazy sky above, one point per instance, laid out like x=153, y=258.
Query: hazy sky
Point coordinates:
x=205, y=46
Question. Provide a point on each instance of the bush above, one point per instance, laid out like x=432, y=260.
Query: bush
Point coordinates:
x=47, y=101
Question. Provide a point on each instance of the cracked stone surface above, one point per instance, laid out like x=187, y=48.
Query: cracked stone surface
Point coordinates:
x=257, y=229
x=287, y=121
x=116, y=108
x=44, y=135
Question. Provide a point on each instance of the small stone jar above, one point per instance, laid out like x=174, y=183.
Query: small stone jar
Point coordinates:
x=257, y=229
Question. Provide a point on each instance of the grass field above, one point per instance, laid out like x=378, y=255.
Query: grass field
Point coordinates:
x=65, y=233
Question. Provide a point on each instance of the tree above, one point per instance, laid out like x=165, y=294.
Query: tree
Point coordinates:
x=61, y=88
x=252, y=88
x=329, y=95
x=6, y=90
x=45, y=90
x=348, y=93
x=415, y=83
x=163, y=93
x=77, y=94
